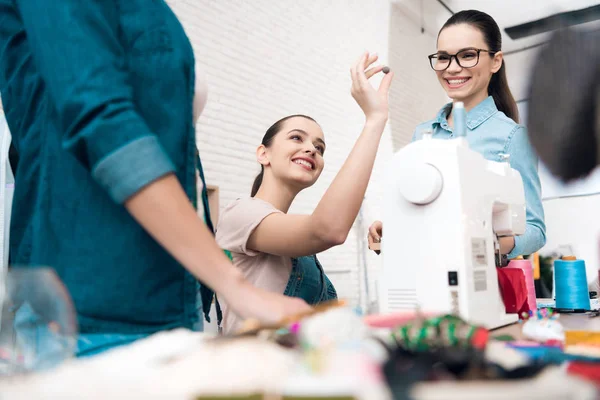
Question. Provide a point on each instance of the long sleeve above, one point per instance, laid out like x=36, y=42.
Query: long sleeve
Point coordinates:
x=76, y=51
x=524, y=160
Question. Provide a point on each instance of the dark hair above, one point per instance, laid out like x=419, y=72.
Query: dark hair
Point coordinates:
x=266, y=141
x=498, y=87
x=563, y=118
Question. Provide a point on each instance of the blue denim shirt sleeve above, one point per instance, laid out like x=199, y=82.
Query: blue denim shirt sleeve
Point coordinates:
x=79, y=57
x=524, y=160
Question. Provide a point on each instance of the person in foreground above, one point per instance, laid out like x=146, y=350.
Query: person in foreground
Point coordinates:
x=106, y=179
x=275, y=250
x=470, y=67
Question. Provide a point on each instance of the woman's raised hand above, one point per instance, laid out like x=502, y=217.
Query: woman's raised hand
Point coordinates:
x=374, y=103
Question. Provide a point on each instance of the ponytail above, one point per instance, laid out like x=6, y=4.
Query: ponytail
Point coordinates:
x=257, y=182
x=499, y=90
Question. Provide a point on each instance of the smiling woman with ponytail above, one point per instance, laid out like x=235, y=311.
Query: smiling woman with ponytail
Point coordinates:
x=277, y=251
x=266, y=142
x=470, y=66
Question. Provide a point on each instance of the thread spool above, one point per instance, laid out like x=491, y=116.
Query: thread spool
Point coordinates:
x=570, y=282
x=527, y=268
x=536, y=266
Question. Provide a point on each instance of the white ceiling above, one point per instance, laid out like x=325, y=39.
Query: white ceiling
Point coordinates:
x=506, y=13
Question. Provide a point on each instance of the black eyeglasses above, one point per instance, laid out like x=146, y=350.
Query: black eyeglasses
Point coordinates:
x=466, y=58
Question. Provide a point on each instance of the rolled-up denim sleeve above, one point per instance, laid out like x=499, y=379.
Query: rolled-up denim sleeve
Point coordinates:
x=76, y=51
x=524, y=160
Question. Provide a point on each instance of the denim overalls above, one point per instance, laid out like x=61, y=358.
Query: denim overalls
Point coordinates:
x=309, y=282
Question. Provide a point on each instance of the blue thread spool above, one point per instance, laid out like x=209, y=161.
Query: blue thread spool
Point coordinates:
x=571, y=287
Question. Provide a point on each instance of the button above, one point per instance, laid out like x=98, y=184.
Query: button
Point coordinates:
x=452, y=278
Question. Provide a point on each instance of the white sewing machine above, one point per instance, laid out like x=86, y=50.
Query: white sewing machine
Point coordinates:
x=444, y=207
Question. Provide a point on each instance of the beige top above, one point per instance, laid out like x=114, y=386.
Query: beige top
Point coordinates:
x=266, y=271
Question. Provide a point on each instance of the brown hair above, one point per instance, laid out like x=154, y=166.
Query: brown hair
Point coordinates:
x=266, y=141
x=498, y=86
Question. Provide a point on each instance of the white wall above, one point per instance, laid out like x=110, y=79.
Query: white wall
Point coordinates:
x=265, y=60
x=573, y=223
x=518, y=71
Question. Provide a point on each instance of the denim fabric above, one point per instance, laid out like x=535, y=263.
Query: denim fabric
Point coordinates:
x=309, y=282
x=98, y=96
x=492, y=133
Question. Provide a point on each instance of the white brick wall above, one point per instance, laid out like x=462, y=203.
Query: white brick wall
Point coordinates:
x=266, y=59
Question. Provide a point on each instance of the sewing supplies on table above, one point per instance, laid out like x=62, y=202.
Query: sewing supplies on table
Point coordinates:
x=551, y=303
x=556, y=352
x=426, y=352
x=395, y=319
x=571, y=287
x=439, y=332
x=542, y=326
x=548, y=342
x=253, y=327
x=527, y=268
x=573, y=337
x=331, y=357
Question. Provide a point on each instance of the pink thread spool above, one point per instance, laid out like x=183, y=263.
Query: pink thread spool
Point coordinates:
x=527, y=268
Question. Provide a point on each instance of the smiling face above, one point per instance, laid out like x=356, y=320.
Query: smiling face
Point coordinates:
x=296, y=154
x=469, y=85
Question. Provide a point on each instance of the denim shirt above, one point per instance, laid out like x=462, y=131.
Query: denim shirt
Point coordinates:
x=98, y=96
x=492, y=133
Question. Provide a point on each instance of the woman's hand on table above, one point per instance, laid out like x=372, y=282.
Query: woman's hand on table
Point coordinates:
x=248, y=301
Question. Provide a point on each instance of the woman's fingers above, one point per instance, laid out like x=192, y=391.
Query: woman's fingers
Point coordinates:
x=363, y=64
x=372, y=58
x=376, y=230
x=355, y=68
x=372, y=71
x=386, y=82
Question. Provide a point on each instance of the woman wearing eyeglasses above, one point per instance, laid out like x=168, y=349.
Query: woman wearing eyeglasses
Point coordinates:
x=470, y=67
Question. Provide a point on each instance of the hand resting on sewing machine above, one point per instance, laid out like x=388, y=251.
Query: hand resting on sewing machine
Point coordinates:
x=507, y=243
